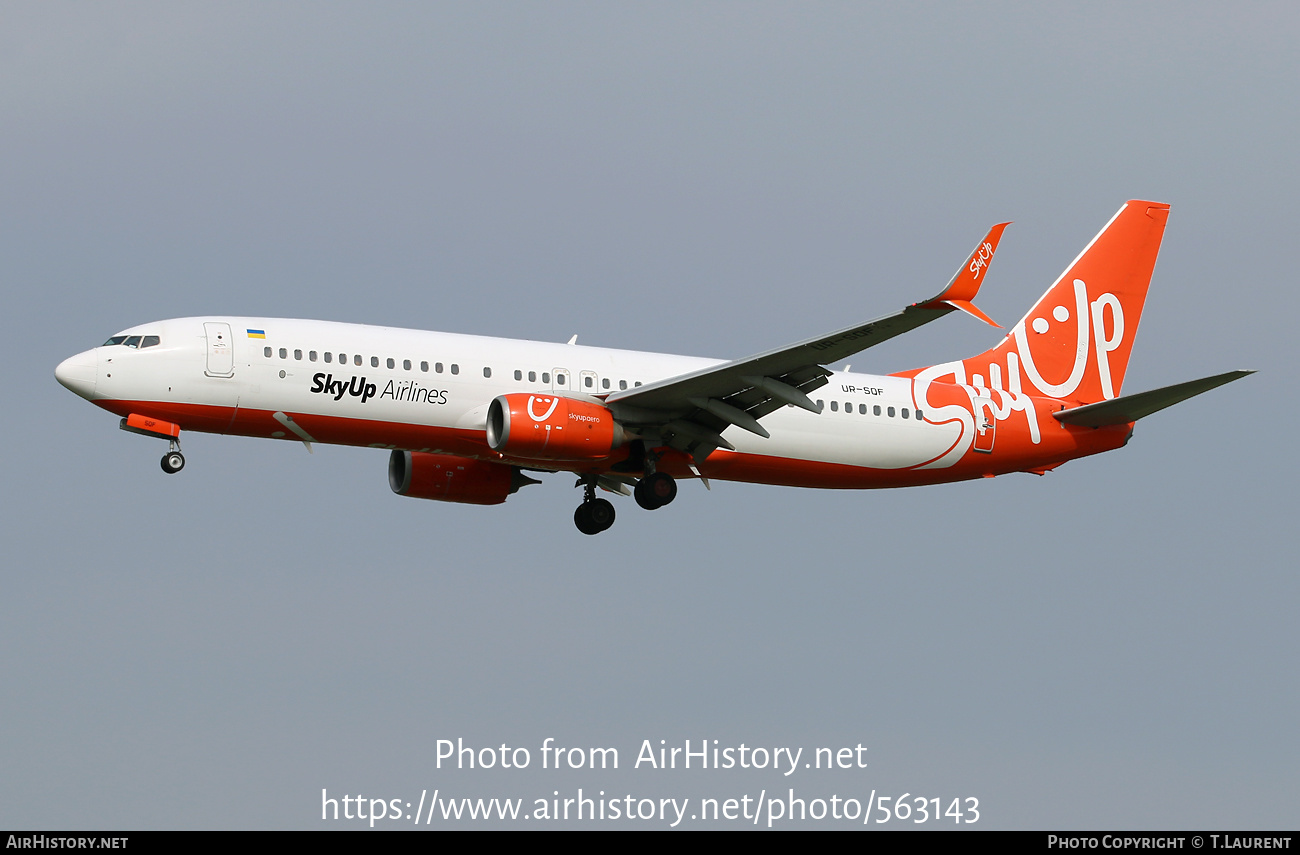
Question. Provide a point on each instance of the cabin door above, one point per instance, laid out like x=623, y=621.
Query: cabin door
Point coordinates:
x=221, y=350
x=986, y=424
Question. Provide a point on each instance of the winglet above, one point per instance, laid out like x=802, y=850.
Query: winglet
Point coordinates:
x=966, y=283
x=969, y=308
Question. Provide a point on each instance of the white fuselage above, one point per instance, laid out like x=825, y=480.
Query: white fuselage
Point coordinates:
x=445, y=382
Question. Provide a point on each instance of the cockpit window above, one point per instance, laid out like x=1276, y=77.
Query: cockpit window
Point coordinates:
x=133, y=341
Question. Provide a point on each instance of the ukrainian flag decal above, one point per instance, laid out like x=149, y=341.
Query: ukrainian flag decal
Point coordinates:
x=257, y=333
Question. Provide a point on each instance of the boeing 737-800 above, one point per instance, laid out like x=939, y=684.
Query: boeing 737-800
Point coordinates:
x=465, y=417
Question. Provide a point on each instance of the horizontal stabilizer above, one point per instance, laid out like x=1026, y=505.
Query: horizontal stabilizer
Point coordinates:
x=1130, y=408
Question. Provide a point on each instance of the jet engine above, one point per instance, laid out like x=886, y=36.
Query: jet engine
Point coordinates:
x=551, y=427
x=453, y=479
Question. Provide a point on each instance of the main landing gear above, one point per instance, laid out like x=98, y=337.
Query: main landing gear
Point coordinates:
x=655, y=490
x=173, y=461
x=594, y=515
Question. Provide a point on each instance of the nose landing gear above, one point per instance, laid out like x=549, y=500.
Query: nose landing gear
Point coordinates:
x=173, y=461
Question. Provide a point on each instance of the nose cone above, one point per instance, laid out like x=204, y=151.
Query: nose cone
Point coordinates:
x=77, y=373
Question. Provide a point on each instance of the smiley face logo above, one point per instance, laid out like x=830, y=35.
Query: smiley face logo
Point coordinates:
x=555, y=401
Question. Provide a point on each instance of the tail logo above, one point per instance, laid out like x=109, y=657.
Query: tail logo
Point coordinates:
x=1071, y=348
x=977, y=393
x=1103, y=339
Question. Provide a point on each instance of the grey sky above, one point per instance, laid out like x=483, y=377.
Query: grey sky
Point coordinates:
x=1113, y=644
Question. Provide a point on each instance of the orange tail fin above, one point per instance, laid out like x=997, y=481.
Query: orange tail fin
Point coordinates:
x=1075, y=342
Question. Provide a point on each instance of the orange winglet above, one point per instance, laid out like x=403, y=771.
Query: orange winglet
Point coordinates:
x=966, y=284
x=969, y=308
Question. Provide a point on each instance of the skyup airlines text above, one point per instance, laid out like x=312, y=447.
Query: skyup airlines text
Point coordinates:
x=358, y=387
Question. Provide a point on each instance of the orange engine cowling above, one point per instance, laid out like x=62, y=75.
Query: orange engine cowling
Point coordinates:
x=453, y=479
x=551, y=427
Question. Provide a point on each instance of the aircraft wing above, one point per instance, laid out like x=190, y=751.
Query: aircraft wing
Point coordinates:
x=690, y=411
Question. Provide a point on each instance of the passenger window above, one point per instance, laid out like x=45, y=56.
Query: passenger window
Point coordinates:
x=391, y=363
x=406, y=365
x=329, y=357
x=297, y=354
x=848, y=406
x=835, y=406
x=374, y=362
x=132, y=341
x=546, y=377
x=875, y=411
x=424, y=366
x=605, y=383
x=311, y=356
x=114, y=341
x=356, y=359
x=343, y=359
x=150, y=341
x=891, y=412
x=560, y=380
x=267, y=352
x=455, y=369
x=622, y=384
x=905, y=413
x=284, y=353
x=820, y=405
x=919, y=417
x=589, y=381
x=637, y=383
x=487, y=372
x=532, y=376
x=862, y=409
x=437, y=367
x=519, y=375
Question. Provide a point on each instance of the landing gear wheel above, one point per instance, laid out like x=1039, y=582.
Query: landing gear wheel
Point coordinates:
x=594, y=516
x=173, y=462
x=655, y=490
x=601, y=512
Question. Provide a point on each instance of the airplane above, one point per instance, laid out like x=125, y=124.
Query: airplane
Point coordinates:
x=467, y=418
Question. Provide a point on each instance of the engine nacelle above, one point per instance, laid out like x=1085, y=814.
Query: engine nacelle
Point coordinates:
x=551, y=427
x=453, y=479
